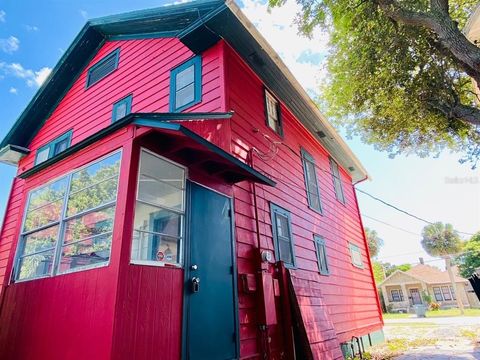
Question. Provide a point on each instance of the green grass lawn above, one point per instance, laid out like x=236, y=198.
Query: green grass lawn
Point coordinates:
x=438, y=313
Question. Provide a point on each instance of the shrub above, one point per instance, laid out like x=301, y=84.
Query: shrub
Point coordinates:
x=434, y=306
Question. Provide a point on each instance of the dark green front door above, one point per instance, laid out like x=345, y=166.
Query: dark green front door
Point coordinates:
x=211, y=330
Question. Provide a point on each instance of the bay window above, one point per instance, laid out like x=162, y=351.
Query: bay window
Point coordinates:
x=68, y=223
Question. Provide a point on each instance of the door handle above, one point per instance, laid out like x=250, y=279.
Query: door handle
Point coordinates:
x=195, y=284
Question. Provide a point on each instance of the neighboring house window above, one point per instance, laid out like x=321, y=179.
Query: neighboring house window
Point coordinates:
x=186, y=85
x=397, y=295
x=272, y=112
x=321, y=255
x=452, y=290
x=282, y=235
x=159, y=212
x=438, y=294
x=356, y=255
x=311, y=182
x=102, y=68
x=446, y=293
x=337, y=181
x=68, y=223
x=122, y=108
x=53, y=148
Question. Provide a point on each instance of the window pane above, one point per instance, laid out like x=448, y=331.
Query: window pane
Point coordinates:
x=185, y=96
x=185, y=77
x=446, y=293
x=285, y=251
x=356, y=255
x=42, y=155
x=156, y=192
x=45, y=205
x=101, y=170
x=89, y=225
x=92, y=251
x=282, y=226
x=60, y=146
x=94, y=185
x=155, y=219
x=120, y=110
x=452, y=291
x=92, y=197
x=154, y=247
x=36, y=265
x=162, y=170
x=40, y=240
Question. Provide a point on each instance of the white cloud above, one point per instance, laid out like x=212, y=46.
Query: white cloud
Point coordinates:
x=84, y=14
x=303, y=56
x=31, y=77
x=13, y=91
x=3, y=15
x=9, y=45
x=31, y=27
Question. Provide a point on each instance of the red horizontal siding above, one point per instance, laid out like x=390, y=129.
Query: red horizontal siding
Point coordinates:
x=144, y=71
x=337, y=305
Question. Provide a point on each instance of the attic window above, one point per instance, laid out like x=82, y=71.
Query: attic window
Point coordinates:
x=53, y=148
x=186, y=85
x=122, y=108
x=103, y=68
x=272, y=113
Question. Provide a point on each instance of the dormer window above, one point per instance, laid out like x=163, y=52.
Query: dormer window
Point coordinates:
x=53, y=148
x=272, y=112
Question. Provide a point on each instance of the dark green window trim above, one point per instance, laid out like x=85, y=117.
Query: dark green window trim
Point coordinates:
x=307, y=160
x=196, y=62
x=52, y=147
x=276, y=212
x=322, y=258
x=279, y=131
x=337, y=181
x=127, y=101
x=355, y=249
x=115, y=55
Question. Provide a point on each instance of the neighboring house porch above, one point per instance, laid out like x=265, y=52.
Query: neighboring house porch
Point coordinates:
x=404, y=289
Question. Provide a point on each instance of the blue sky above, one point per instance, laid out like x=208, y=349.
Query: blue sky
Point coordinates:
x=31, y=42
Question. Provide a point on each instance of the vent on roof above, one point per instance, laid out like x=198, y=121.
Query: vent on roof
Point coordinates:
x=102, y=68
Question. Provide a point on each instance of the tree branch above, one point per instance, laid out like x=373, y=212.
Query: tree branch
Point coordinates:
x=440, y=6
x=457, y=111
x=444, y=30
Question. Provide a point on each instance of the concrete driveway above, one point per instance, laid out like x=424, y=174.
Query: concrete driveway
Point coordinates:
x=455, y=338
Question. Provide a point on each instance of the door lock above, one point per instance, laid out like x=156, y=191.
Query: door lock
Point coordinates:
x=195, y=284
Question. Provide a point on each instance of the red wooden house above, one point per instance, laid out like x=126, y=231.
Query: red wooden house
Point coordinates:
x=179, y=195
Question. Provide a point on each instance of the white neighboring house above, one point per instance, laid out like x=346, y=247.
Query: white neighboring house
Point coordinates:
x=403, y=289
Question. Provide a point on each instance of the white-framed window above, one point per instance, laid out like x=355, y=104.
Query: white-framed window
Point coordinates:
x=68, y=223
x=447, y=296
x=159, y=212
x=438, y=294
x=397, y=295
x=272, y=112
x=356, y=255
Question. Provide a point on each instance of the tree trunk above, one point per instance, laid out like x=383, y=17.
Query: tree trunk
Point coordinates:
x=448, y=265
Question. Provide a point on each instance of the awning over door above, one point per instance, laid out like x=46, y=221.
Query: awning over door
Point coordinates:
x=183, y=145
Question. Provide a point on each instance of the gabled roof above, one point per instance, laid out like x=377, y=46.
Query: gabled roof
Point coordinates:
x=199, y=25
x=428, y=274
x=433, y=275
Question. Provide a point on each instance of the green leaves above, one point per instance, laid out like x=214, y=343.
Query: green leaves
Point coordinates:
x=395, y=85
x=469, y=261
x=441, y=240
